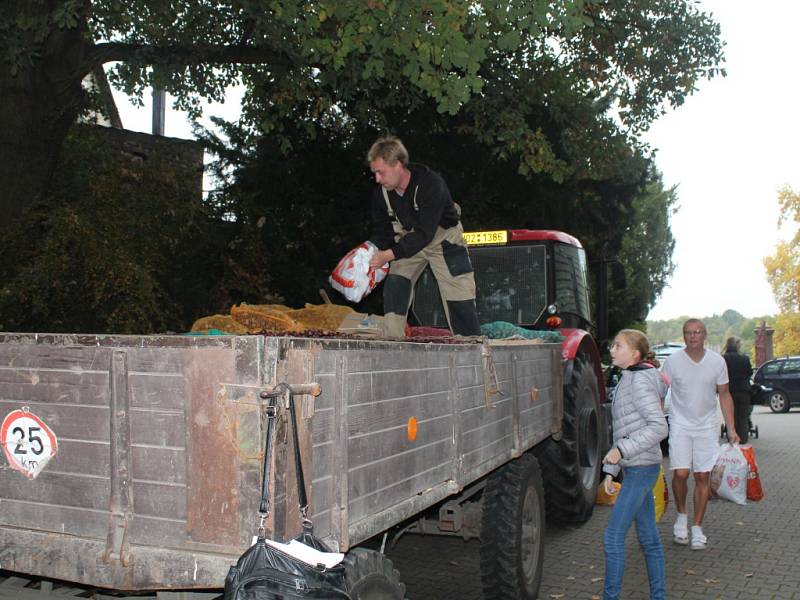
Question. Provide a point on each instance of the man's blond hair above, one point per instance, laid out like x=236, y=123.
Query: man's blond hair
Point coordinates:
x=390, y=149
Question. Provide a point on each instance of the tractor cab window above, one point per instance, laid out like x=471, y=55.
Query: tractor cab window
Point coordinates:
x=572, y=290
x=511, y=286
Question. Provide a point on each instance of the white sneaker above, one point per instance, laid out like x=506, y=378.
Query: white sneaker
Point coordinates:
x=680, y=530
x=699, y=541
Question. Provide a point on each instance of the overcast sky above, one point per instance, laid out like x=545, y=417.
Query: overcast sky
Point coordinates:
x=727, y=149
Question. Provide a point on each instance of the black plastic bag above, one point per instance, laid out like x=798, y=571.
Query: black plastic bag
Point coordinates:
x=265, y=572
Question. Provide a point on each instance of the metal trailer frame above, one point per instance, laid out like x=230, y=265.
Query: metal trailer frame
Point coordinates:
x=155, y=485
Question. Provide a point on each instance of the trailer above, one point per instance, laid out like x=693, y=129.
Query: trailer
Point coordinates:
x=133, y=462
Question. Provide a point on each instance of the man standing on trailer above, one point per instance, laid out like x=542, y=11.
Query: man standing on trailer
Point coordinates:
x=697, y=376
x=415, y=223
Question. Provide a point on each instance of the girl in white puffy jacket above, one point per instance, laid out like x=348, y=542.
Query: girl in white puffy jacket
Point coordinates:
x=639, y=427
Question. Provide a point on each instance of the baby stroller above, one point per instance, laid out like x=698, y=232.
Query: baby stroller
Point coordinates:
x=752, y=429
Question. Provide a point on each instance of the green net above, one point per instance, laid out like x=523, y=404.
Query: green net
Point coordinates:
x=500, y=330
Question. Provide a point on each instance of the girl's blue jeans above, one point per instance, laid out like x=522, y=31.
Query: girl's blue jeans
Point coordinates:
x=634, y=504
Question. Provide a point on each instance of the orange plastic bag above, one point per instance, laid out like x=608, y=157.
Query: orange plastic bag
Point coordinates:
x=603, y=497
x=660, y=494
x=754, y=489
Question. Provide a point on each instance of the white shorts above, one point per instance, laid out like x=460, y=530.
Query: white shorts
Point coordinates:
x=694, y=450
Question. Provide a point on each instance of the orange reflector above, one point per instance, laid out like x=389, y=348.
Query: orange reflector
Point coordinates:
x=411, y=429
x=553, y=321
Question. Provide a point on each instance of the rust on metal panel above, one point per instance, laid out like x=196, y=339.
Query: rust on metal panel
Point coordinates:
x=457, y=470
x=239, y=409
x=243, y=420
x=75, y=559
x=557, y=367
x=340, y=466
x=516, y=441
x=297, y=367
x=212, y=499
x=121, y=496
x=491, y=385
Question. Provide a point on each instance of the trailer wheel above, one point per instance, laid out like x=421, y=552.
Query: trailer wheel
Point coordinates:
x=571, y=465
x=372, y=576
x=512, y=531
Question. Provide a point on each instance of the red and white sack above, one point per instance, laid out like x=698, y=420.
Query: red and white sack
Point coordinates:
x=353, y=276
x=729, y=475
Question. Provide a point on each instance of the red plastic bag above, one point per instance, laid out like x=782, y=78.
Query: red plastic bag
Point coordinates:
x=353, y=276
x=754, y=489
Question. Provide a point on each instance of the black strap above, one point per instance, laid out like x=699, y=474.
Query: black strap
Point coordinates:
x=298, y=461
x=272, y=413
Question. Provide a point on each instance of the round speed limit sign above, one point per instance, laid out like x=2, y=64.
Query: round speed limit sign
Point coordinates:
x=28, y=442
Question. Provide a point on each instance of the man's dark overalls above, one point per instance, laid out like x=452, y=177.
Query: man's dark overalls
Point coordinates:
x=449, y=260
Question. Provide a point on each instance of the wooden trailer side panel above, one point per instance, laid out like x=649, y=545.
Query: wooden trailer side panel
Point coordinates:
x=156, y=482
x=145, y=475
x=399, y=427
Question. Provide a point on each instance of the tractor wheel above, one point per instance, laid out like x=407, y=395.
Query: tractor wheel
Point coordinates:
x=512, y=531
x=571, y=465
x=372, y=576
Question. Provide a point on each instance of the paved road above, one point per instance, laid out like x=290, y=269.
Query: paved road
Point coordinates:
x=753, y=550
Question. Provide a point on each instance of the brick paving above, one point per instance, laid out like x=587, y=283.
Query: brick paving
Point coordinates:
x=753, y=549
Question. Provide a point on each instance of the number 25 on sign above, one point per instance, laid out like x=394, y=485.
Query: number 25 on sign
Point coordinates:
x=27, y=442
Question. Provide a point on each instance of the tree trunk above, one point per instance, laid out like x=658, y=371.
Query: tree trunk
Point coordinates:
x=38, y=104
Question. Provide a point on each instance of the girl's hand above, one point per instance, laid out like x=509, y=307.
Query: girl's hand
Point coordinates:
x=608, y=483
x=613, y=456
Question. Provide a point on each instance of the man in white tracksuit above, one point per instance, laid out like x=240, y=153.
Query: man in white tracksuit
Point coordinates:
x=697, y=377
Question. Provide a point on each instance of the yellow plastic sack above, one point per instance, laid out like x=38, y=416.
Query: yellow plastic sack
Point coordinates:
x=661, y=495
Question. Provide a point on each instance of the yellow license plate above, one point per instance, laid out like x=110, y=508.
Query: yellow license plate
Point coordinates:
x=486, y=237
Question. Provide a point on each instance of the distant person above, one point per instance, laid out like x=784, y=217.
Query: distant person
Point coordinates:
x=639, y=427
x=415, y=223
x=697, y=375
x=739, y=372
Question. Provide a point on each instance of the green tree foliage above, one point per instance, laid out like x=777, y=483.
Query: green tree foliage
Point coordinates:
x=624, y=217
x=539, y=147
x=533, y=109
x=783, y=267
x=786, y=339
x=290, y=216
x=302, y=60
x=115, y=250
x=783, y=273
x=646, y=253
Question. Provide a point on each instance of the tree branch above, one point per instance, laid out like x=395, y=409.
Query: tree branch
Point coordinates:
x=187, y=54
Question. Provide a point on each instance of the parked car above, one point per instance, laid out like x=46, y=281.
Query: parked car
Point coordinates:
x=664, y=349
x=779, y=381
